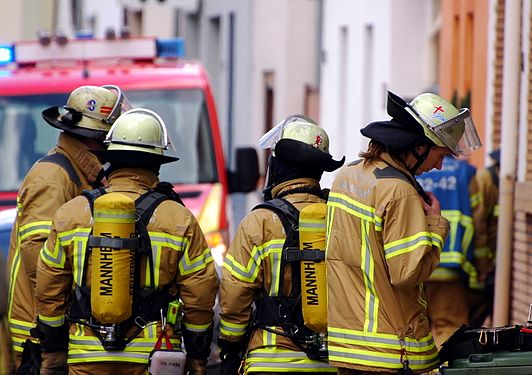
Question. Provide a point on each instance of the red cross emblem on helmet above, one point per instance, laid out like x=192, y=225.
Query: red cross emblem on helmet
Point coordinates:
x=318, y=141
x=439, y=108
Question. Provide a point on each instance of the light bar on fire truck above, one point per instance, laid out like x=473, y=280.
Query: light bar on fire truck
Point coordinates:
x=31, y=52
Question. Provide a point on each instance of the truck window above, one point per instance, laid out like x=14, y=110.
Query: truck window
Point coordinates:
x=25, y=137
x=185, y=115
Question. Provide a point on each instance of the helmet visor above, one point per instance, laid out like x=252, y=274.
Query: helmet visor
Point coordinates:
x=122, y=104
x=458, y=134
x=269, y=139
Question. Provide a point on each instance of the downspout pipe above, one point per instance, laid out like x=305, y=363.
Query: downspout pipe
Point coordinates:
x=508, y=171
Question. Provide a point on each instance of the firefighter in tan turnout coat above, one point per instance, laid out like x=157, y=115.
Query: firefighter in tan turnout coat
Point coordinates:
x=385, y=236
x=58, y=177
x=256, y=269
x=171, y=262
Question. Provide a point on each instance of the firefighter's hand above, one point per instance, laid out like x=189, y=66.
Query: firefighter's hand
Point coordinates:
x=196, y=366
x=434, y=207
x=54, y=363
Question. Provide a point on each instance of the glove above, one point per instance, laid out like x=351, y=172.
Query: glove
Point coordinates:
x=196, y=366
x=30, y=363
x=52, y=339
x=54, y=363
x=198, y=348
x=231, y=354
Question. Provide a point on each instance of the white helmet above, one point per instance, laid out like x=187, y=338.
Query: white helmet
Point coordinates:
x=138, y=130
x=90, y=111
x=299, y=139
x=444, y=124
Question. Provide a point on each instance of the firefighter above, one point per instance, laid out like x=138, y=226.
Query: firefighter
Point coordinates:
x=62, y=174
x=481, y=293
x=385, y=235
x=171, y=263
x=256, y=270
x=447, y=288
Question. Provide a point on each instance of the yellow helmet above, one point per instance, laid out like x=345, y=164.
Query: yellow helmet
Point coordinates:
x=137, y=131
x=89, y=111
x=444, y=124
x=299, y=139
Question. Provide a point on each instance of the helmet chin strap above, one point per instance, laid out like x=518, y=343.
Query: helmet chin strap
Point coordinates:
x=420, y=158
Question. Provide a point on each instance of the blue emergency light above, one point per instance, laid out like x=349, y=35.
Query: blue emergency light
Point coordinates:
x=170, y=47
x=7, y=54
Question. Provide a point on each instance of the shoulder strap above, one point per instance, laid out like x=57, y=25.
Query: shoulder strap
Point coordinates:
x=64, y=163
x=286, y=211
x=289, y=216
x=145, y=206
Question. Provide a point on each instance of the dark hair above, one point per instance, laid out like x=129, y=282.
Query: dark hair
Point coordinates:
x=374, y=151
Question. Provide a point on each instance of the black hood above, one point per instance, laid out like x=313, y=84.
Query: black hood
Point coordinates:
x=402, y=132
x=301, y=154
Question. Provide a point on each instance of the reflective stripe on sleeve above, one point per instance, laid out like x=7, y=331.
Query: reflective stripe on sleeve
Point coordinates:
x=249, y=272
x=355, y=208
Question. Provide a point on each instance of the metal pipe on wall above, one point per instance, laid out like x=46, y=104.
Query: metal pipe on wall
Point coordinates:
x=508, y=171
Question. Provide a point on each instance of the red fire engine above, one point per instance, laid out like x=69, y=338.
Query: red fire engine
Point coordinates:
x=38, y=74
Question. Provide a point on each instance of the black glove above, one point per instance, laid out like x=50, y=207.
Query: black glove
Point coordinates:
x=231, y=354
x=198, y=348
x=52, y=339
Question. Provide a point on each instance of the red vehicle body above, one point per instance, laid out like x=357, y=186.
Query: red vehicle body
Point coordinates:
x=178, y=90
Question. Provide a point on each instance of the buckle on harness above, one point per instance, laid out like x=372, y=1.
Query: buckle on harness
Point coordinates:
x=141, y=323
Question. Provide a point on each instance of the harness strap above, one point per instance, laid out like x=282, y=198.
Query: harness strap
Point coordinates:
x=63, y=162
x=296, y=255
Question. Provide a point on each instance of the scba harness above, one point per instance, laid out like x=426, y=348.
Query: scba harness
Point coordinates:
x=302, y=313
x=147, y=302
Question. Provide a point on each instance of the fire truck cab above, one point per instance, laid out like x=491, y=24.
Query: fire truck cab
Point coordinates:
x=38, y=74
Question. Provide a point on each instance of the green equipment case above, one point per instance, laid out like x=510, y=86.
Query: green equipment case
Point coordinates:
x=502, y=362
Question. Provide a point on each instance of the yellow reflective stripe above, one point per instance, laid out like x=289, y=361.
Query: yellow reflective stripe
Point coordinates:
x=56, y=258
x=420, y=298
x=411, y=243
x=452, y=257
x=52, y=321
x=496, y=211
x=355, y=208
x=283, y=360
x=483, y=252
x=232, y=329
x=310, y=225
x=197, y=327
x=164, y=239
x=20, y=327
x=368, y=267
x=188, y=266
x=18, y=342
x=381, y=359
x=476, y=199
x=33, y=228
x=379, y=340
x=249, y=272
x=330, y=219
x=455, y=218
x=15, y=267
x=88, y=356
x=114, y=216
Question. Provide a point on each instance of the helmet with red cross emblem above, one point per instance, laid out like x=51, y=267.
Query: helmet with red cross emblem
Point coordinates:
x=300, y=140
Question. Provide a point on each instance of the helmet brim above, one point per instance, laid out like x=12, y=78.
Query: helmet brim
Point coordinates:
x=297, y=152
x=129, y=156
x=51, y=116
x=395, y=135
